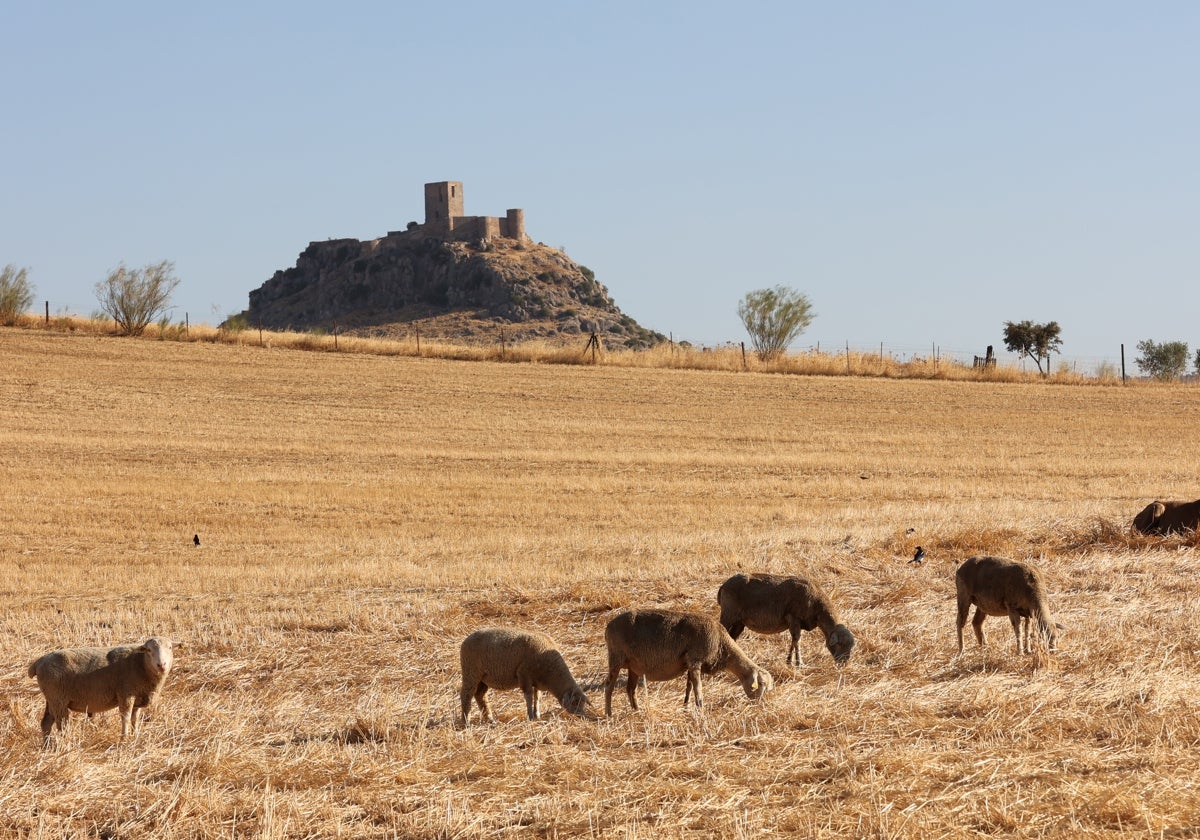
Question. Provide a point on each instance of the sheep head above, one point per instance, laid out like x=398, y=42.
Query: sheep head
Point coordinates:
x=1146, y=522
x=840, y=642
x=757, y=683
x=575, y=701
x=159, y=654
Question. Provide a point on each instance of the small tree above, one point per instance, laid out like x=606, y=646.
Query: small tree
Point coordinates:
x=134, y=297
x=1164, y=361
x=1037, y=341
x=16, y=293
x=774, y=318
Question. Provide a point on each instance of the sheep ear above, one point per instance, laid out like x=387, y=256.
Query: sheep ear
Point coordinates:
x=1159, y=510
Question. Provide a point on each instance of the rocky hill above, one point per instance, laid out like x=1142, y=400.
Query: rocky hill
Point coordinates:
x=459, y=290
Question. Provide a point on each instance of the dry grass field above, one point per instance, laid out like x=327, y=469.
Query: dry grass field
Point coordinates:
x=360, y=515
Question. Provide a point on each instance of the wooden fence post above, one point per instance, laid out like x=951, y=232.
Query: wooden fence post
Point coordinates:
x=1122, y=363
x=47, y=313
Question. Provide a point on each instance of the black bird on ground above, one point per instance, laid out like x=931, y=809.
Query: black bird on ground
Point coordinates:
x=919, y=556
x=195, y=539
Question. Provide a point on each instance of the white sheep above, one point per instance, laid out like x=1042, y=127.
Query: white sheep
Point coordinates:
x=504, y=658
x=664, y=644
x=94, y=679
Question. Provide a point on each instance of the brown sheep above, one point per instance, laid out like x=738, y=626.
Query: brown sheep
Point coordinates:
x=504, y=659
x=664, y=644
x=1003, y=587
x=774, y=603
x=1168, y=517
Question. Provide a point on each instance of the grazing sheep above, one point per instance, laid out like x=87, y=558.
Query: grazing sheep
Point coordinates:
x=774, y=603
x=92, y=679
x=503, y=658
x=1003, y=587
x=662, y=644
x=1168, y=518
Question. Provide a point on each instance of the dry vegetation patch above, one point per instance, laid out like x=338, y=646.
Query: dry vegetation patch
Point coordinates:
x=360, y=515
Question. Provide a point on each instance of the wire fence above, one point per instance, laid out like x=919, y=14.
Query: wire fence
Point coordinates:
x=1083, y=365
x=1115, y=364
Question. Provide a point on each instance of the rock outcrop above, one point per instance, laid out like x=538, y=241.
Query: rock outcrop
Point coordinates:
x=410, y=279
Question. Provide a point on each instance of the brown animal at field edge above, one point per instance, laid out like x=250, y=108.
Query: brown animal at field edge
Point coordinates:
x=1168, y=517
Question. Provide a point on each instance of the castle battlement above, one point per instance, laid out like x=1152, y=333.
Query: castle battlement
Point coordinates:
x=444, y=216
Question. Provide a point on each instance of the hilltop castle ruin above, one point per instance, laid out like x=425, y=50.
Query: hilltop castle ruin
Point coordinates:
x=444, y=217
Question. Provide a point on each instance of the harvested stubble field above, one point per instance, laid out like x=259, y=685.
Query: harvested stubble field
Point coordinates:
x=360, y=515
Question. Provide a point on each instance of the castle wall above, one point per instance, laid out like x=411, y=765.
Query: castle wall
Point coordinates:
x=476, y=227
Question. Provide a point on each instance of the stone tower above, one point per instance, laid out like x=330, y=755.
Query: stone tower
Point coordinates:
x=444, y=216
x=443, y=204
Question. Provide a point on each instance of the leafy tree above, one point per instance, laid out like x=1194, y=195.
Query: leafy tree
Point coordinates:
x=1198, y=361
x=1037, y=341
x=774, y=318
x=134, y=297
x=16, y=293
x=1164, y=361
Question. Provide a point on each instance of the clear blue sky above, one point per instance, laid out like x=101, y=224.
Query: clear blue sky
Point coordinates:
x=923, y=171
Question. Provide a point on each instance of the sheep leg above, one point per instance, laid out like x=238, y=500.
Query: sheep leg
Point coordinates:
x=531, y=701
x=964, y=607
x=1018, y=625
x=464, y=695
x=735, y=628
x=49, y=720
x=795, y=648
x=977, y=624
x=693, y=685
x=125, y=705
x=631, y=684
x=481, y=699
x=609, y=685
